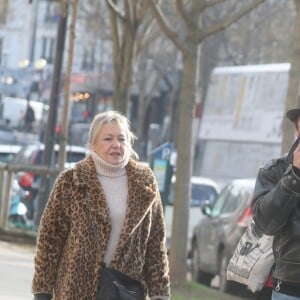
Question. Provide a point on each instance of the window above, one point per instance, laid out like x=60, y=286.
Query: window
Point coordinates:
x=219, y=204
x=48, y=44
x=88, y=61
x=8, y=152
x=234, y=200
x=239, y=195
x=199, y=194
x=52, y=13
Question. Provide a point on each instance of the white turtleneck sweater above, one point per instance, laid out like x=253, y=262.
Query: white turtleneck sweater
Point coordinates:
x=113, y=179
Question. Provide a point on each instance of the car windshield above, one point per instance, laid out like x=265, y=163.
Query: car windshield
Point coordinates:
x=5, y=157
x=199, y=194
x=8, y=152
x=232, y=197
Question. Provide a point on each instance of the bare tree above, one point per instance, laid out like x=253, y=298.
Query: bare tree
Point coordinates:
x=95, y=19
x=116, y=25
x=67, y=84
x=190, y=14
x=130, y=27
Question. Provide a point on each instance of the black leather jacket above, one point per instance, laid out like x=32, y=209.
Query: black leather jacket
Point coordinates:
x=276, y=210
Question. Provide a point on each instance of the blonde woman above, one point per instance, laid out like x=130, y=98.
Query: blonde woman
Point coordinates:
x=105, y=209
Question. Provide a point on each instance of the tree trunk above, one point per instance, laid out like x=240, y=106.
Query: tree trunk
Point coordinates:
x=123, y=74
x=288, y=128
x=126, y=72
x=178, y=252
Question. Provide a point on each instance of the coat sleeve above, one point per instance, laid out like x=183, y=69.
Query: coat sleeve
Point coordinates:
x=156, y=264
x=53, y=231
x=275, y=198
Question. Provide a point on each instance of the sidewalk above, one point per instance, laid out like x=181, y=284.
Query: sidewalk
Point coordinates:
x=16, y=264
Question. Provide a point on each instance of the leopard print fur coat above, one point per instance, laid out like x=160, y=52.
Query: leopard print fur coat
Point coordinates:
x=68, y=261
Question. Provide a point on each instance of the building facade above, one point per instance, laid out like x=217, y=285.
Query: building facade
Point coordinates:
x=28, y=36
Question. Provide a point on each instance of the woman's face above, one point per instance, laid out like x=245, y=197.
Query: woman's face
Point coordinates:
x=111, y=142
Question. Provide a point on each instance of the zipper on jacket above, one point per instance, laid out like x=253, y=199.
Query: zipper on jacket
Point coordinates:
x=277, y=287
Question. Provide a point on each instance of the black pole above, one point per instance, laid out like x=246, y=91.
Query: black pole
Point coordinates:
x=52, y=116
x=55, y=87
x=33, y=37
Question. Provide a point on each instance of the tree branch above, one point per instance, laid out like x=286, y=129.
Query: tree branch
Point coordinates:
x=134, y=10
x=210, y=3
x=230, y=20
x=182, y=12
x=128, y=11
x=115, y=34
x=161, y=20
x=143, y=36
x=115, y=8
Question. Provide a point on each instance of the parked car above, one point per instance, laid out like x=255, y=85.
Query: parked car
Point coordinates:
x=202, y=189
x=218, y=232
x=32, y=154
x=8, y=152
x=8, y=136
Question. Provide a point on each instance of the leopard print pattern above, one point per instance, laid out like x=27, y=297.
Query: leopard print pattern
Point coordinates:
x=68, y=258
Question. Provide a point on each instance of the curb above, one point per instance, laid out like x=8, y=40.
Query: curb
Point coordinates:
x=19, y=236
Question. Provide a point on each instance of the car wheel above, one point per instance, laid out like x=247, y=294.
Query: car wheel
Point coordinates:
x=198, y=275
x=225, y=285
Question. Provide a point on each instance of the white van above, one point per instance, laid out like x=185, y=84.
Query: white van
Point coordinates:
x=242, y=115
x=13, y=109
x=202, y=189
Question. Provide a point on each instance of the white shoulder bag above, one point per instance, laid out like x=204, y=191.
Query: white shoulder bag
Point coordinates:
x=252, y=259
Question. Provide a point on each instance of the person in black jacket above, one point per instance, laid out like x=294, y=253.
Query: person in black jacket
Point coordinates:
x=276, y=210
x=29, y=118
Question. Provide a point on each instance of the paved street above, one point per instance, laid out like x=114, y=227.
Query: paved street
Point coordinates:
x=16, y=265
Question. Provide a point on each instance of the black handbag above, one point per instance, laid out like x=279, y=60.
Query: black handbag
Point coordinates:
x=115, y=285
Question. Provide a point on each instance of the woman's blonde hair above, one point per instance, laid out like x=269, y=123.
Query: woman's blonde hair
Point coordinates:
x=109, y=117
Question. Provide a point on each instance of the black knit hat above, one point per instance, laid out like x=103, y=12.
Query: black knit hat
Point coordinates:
x=294, y=113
